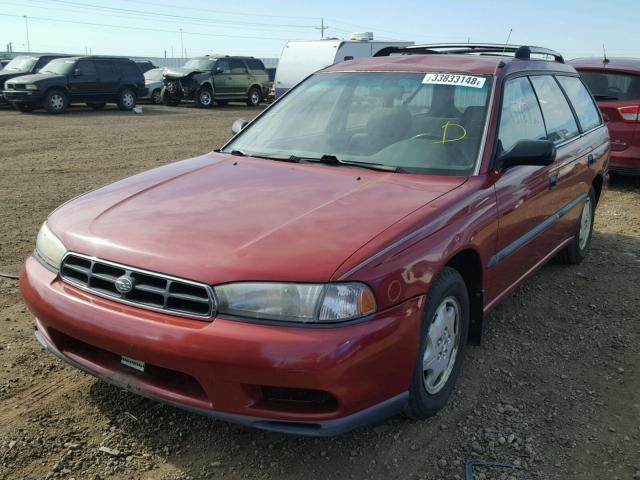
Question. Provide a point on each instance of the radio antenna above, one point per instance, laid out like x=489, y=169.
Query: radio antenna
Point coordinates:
x=605, y=59
x=507, y=42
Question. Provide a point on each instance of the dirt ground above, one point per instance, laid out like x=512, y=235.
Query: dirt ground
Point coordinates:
x=554, y=388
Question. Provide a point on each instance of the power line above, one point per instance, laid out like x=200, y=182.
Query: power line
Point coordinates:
x=127, y=27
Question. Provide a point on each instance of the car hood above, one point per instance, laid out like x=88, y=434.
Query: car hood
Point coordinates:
x=35, y=77
x=177, y=73
x=8, y=74
x=218, y=218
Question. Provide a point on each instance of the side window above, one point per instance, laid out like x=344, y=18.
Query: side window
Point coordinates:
x=105, y=70
x=42, y=61
x=128, y=70
x=558, y=117
x=254, y=64
x=224, y=65
x=583, y=104
x=237, y=66
x=87, y=68
x=521, y=118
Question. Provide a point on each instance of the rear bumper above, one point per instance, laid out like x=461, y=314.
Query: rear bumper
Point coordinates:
x=625, y=162
x=218, y=368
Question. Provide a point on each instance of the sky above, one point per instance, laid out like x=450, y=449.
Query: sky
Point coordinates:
x=261, y=27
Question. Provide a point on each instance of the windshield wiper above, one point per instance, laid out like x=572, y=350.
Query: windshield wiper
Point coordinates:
x=240, y=153
x=333, y=160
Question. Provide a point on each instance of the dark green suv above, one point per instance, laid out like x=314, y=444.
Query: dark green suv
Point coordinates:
x=220, y=79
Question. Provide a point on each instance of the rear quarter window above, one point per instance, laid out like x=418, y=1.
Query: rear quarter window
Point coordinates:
x=582, y=102
x=129, y=70
x=611, y=86
x=558, y=117
x=254, y=64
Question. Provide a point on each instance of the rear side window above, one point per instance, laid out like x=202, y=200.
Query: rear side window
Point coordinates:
x=521, y=118
x=87, y=68
x=611, y=86
x=128, y=70
x=237, y=66
x=254, y=64
x=105, y=70
x=558, y=117
x=582, y=102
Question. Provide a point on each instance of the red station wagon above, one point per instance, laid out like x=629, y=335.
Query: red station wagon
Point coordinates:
x=615, y=84
x=326, y=268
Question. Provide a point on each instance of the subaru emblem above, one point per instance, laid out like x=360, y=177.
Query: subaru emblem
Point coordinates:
x=124, y=284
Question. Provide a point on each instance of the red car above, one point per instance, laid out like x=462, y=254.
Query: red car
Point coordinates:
x=326, y=268
x=615, y=84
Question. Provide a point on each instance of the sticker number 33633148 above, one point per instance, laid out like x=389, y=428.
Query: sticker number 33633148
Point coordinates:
x=454, y=79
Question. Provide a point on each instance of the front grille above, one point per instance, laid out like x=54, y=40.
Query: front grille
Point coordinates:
x=19, y=86
x=10, y=86
x=138, y=287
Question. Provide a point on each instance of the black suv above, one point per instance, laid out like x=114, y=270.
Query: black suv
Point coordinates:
x=208, y=79
x=23, y=65
x=93, y=80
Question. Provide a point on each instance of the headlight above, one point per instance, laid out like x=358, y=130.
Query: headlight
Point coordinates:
x=289, y=302
x=30, y=86
x=49, y=249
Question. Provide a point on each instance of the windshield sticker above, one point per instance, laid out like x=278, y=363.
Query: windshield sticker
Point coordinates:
x=454, y=79
x=458, y=132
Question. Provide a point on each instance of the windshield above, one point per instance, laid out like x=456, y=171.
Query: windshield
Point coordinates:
x=200, y=64
x=21, y=64
x=412, y=121
x=154, y=75
x=61, y=66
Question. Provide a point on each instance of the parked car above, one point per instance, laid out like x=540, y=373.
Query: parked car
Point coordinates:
x=95, y=81
x=300, y=58
x=615, y=84
x=23, y=65
x=326, y=268
x=208, y=79
x=145, y=65
x=153, y=83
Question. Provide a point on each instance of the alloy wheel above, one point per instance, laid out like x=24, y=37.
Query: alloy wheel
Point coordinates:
x=585, y=225
x=443, y=341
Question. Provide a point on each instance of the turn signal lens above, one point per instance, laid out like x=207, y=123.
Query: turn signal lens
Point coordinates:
x=346, y=301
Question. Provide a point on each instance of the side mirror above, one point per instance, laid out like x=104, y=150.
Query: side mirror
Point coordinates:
x=528, y=152
x=219, y=70
x=238, y=125
x=77, y=72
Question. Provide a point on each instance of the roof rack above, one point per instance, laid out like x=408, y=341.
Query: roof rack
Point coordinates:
x=521, y=52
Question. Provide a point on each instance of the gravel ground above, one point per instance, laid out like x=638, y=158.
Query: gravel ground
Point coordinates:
x=554, y=389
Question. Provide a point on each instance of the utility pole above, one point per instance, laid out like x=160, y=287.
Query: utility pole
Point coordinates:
x=26, y=24
x=181, y=46
x=322, y=28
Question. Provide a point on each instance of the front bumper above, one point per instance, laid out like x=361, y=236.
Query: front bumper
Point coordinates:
x=31, y=97
x=217, y=368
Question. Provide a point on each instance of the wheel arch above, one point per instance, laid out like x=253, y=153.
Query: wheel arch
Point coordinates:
x=62, y=88
x=468, y=264
x=598, y=184
x=256, y=85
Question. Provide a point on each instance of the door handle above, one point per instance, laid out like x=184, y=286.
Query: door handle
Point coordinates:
x=590, y=159
x=553, y=181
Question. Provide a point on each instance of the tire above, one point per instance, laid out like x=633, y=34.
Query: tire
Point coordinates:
x=56, y=101
x=204, y=97
x=156, y=97
x=222, y=103
x=24, y=107
x=126, y=99
x=443, y=337
x=254, y=97
x=167, y=99
x=577, y=250
x=97, y=105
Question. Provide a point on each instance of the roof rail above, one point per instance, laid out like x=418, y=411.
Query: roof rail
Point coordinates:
x=521, y=52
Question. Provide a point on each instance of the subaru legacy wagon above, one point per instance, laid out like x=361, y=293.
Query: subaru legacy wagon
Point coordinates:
x=326, y=268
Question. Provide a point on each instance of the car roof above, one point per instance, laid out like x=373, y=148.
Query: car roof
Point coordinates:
x=496, y=65
x=612, y=63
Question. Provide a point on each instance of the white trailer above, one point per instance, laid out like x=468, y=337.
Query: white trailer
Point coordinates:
x=301, y=58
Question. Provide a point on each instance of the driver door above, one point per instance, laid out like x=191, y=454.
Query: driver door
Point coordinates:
x=222, y=77
x=83, y=79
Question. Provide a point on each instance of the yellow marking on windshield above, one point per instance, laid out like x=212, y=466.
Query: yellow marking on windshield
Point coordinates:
x=445, y=131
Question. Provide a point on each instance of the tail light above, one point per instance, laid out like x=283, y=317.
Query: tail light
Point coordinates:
x=630, y=114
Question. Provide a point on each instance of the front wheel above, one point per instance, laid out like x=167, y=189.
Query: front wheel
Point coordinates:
x=167, y=98
x=445, y=326
x=126, y=99
x=255, y=97
x=156, y=97
x=577, y=250
x=56, y=101
x=204, y=97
